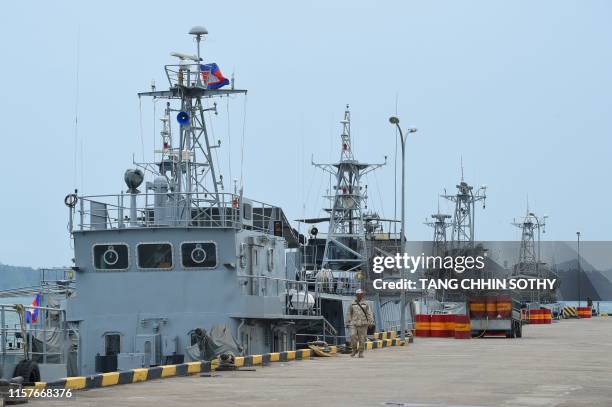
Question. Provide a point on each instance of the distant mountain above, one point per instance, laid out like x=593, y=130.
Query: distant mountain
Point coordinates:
x=593, y=283
x=607, y=273
x=16, y=277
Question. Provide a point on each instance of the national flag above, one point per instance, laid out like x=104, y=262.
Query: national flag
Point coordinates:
x=32, y=315
x=212, y=76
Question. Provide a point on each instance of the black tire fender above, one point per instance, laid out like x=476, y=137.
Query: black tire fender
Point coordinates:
x=28, y=369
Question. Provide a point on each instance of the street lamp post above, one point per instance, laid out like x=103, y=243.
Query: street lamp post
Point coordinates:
x=579, y=270
x=395, y=120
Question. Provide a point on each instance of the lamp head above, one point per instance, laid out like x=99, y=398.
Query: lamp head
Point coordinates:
x=393, y=120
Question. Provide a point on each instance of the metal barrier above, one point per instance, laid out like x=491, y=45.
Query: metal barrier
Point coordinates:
x=188, y=75
x=338, y=285
x=47, y=287
x=198, y=210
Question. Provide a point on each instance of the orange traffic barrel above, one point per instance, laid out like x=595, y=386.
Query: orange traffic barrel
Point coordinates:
x=450, y=325
x=503, y=306
x=477, y=307
x=491, y=306
x=422, y=325
x=535, y=316
x=442, y=326
x=584, y=312
x=463, y=329
x=546, y=316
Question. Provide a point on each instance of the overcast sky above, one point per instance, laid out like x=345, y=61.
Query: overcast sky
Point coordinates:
x=520, y=89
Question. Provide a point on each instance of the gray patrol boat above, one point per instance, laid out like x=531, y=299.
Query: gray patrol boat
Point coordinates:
x=337, y=260
x=174, y=269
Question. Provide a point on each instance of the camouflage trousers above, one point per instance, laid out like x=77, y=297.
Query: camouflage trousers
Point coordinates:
x=359, y=336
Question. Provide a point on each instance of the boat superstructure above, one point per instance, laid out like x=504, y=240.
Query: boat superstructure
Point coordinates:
x=175, y=258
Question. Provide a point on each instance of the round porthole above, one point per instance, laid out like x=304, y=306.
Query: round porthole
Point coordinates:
x=198, y=255
x=110, y=256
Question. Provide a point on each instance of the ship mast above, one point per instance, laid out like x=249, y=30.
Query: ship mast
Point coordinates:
x=345, y=243
x=463, y=221
x=186, y=159
x=529, y=252
x=439, y=223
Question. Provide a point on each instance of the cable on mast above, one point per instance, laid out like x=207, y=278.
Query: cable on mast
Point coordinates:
x=244, y=116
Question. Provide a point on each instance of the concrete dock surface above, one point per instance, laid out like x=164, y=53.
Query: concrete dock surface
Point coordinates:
x=566, y=364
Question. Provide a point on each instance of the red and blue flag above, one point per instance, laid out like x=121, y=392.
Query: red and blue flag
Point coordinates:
x=212, y=76
x=32, y=315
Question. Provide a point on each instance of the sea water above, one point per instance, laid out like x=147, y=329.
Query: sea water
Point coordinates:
x=11, y=318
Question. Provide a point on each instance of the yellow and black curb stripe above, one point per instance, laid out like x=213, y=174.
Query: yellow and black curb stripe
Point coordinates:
x=191, y=368
x=385, y=335
x=392, y=335
x=384, y=343
x=129, y=376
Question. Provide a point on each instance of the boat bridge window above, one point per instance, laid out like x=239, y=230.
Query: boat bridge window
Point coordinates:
x=199, y=254
x=111, y=256
x=154, y=255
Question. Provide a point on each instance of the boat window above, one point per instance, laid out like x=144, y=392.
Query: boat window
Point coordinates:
x=110, y=256
x=154, y=255
x=112, y=344
x=199, y=254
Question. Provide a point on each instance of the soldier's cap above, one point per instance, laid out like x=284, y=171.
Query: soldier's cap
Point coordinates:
x=359, y=291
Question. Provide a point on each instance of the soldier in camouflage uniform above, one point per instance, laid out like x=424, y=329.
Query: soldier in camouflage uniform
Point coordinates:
x=358, y=318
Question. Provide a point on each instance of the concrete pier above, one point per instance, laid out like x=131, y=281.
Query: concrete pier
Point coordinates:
x=566, y=364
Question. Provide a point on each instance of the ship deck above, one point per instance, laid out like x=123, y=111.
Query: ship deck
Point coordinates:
x=566, y=364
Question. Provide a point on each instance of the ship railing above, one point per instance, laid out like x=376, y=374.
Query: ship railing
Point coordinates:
x=31, y=339
x=45, y=287
x=339, y=286
x=197, y=210
x=297, y=298
x=187, y=75
x=328, y=334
